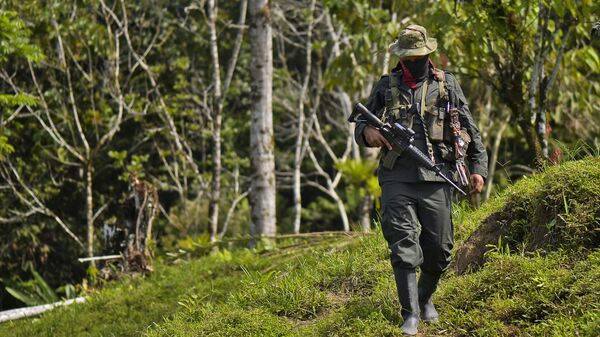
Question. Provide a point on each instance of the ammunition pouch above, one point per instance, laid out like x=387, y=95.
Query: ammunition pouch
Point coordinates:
x=434, y=118
x=389, y=159
x=395, y=111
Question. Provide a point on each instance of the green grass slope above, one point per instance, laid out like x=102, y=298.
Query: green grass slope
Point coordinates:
x=127, y=307
x=559, y=209
x=535, y=283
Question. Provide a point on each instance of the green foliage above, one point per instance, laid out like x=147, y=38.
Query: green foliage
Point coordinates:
x=35, y=291
x=360, y=173
x=136, y=167
x=17, y=99
x=499, y=43
x=15, y=39
x=5, y=147
x=363, y=22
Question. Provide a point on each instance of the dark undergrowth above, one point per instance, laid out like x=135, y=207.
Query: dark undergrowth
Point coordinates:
x=532, y=283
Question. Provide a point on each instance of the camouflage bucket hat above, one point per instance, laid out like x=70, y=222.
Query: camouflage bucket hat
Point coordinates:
x=413, y=41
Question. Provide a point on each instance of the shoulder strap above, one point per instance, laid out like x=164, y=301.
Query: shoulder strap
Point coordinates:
x=394, y=79
x=440, y=76
x=393, y=99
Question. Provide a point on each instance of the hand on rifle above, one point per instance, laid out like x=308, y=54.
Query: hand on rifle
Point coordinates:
x=476, y=183
x=374, y=138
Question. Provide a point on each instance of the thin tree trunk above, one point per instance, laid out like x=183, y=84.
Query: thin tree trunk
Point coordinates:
x=365, y=212
x=262, y=193
x=230, y=213
x=493, y=160
x=216, y=123
x=152, y=211
x=89, y=203
x=331, y=185
x=301, y=120
x=342, y=210
x=547, y=84
x=530, y=134
x=219, y=96
x=236, y=46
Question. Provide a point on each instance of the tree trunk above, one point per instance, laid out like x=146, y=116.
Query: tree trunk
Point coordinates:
x=341, y=209
x=262, y=193
x=298, y=155
x=365, y=212
x=493, y=160
x=216, y=124
x=89, y=206
x=533, y=142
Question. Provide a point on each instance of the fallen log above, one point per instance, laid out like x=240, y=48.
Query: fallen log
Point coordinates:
x=13, y=314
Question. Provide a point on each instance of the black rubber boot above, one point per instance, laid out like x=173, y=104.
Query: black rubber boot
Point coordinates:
x=406, y=283
x=427, y=285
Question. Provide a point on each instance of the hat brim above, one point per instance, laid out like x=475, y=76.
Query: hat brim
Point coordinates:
x=429, y=48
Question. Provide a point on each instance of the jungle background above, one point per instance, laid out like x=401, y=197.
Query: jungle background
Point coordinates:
x=96, y=94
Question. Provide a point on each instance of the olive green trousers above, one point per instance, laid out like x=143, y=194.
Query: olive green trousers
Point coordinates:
x=404, y=207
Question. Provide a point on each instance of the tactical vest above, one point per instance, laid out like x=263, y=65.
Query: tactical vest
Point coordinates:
x=434, y=114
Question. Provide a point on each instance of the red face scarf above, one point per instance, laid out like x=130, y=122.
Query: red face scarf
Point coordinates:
x=407, y=77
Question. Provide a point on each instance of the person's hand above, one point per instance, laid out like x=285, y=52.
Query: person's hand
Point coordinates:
x=476, y=183
x=374, y=138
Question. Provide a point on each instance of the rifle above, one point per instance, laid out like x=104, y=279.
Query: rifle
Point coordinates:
x=401, y=140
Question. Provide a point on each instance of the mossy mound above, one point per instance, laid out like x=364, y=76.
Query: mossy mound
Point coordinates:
x=558, y=209
x=556, y=294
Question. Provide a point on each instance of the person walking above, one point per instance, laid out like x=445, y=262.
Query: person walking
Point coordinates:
x=430, y=102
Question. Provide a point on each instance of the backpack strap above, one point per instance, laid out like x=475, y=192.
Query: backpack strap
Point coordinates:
x=393, y=95
x=440, y=76
x=392, y=112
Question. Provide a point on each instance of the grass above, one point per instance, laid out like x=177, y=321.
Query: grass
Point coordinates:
x=557, y=209
x=516, y=295
x=128, y=307
x=345, y=287
x=561, y=199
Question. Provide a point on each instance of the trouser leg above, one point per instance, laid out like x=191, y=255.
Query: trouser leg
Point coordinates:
x=434, y=210
x=400, y=229
x=399, y=224
x=403, y=204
